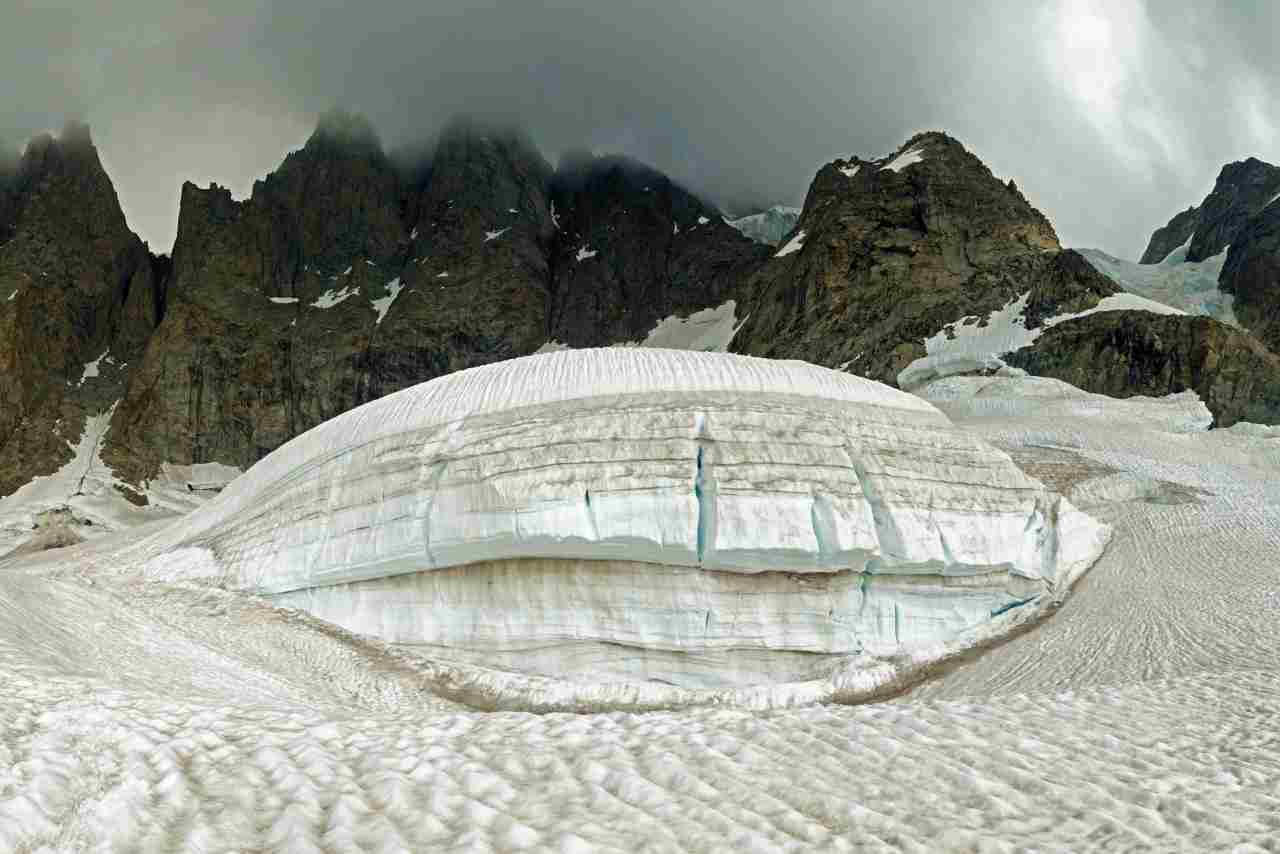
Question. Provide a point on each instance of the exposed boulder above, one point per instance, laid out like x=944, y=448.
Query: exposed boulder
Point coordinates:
x=1127, y=353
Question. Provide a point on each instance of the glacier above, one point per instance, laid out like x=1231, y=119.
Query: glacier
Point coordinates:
x=1191, y=286
x=770, y=226
x=700, y=520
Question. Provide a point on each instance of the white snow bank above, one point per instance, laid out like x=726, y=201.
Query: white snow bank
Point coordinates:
x=283, y=300
x=494, y=235
x=584, y=254
x=795, y=244
x=850, y=171
x=966, y=346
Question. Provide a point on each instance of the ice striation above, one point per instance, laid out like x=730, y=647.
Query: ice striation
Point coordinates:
x=698, y=519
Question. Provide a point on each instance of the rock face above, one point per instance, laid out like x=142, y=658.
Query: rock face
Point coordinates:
x=889, y=252
x=1251, y=274
x=1126, y=353
x=346, y=277
x=699, y=519
x=79, y=296
x=1176, y=233
x=1242, y=190
x=633, y=248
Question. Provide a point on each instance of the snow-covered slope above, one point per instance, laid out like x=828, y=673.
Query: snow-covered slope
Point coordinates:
x=563, y=513
x=972, y=344
x=1175, y=281
x=81, y=500
x=155, y=716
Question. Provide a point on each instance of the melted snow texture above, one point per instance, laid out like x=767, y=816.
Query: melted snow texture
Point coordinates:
x=968, y=345
x=1141, y=717
x=630, y=472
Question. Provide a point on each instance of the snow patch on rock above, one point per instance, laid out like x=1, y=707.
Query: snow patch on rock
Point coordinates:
x=794, y=245
x=966, y=345
x=332, y=297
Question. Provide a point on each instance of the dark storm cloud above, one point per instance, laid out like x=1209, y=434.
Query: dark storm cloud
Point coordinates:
x=1110, y=115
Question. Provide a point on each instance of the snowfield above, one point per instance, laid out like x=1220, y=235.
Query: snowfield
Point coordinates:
x=170, y=715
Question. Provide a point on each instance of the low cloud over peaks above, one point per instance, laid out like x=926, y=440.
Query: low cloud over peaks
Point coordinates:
x=1111, y=116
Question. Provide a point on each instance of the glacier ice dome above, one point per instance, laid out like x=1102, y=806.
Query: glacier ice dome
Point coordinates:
x=700, y=520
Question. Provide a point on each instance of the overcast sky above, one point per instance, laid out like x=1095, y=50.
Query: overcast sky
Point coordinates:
x=1112, y=115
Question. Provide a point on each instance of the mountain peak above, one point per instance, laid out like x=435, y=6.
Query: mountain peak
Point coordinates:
x=347, y=129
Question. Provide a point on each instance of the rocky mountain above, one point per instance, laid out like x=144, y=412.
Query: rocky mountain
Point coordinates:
x=348, y=274
x=79, y=297
x=345, y=277
x=1251, y=274
x=888, y=252
x=1241, y=191
x=1171, y=236
x=1234, y=231
x=633, y=248
x=1127, y=353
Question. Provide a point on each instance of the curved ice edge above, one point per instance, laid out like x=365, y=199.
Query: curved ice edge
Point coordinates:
x=857, y=679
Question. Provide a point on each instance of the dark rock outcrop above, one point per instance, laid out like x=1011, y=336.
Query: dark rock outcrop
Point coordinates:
x=889, y=252
x=1242, y=190
x=632, y=248
x=1170, y=236
x=1252, y=274
x=1127, y=353
x=76, y=287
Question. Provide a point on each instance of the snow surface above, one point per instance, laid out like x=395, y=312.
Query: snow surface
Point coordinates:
x=383, y=304
x=92, y=369
x=708, y=330
x=283, y=300
x=169, y=716
x=702, y=220
x=795, y=244
x=86, y=487
x=853, y=519
x=907, y=158
x=850, y=171
x=966, y=346
x=585, y=253
x=332, y=297
x=13, y=295
x=1187, y=285
x=494, y=235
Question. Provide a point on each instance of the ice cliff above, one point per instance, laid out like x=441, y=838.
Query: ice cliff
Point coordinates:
x=699, y=519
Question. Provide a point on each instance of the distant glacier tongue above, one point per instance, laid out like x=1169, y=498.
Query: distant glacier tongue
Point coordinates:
x=698, y=519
